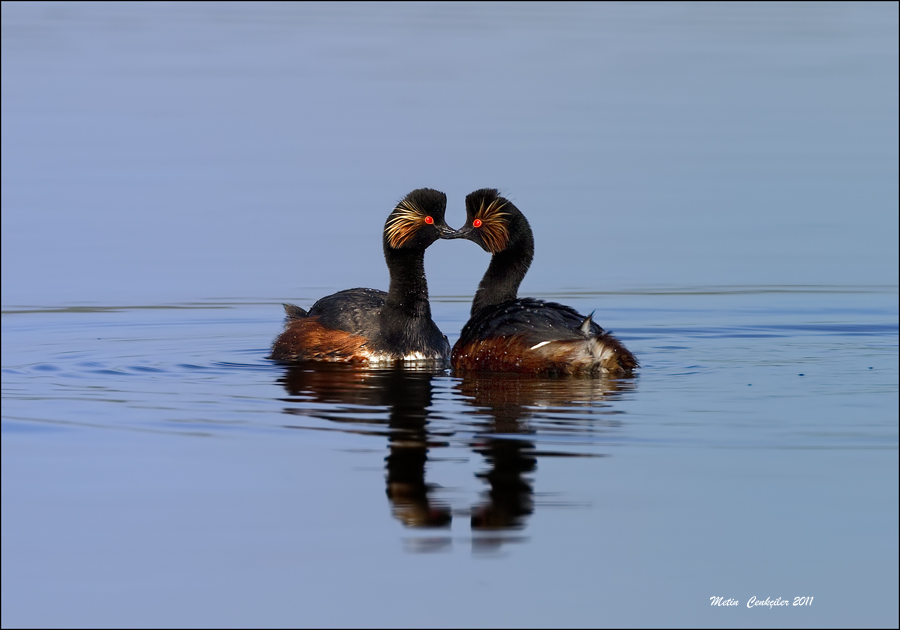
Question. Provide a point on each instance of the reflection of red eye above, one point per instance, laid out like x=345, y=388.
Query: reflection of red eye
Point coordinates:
x=476, y=223
x=429, y=220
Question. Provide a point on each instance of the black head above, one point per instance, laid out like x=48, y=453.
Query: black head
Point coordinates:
x=493, y=222
x=418, y=221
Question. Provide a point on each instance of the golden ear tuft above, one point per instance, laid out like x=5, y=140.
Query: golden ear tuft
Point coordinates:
x=494, y=228
x=403, y=223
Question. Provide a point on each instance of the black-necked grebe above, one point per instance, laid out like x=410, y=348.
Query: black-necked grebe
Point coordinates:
x=510, y=334
x=371, y=326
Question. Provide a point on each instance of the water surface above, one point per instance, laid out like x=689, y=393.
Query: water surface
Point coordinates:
x=717, y=183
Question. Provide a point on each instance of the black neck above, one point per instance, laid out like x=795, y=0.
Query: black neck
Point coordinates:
x=407, y=296
x=505, y=273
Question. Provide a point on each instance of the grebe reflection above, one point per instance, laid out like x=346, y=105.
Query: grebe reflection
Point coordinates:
x=407, y=394
x=512, y=421
x=510, y=400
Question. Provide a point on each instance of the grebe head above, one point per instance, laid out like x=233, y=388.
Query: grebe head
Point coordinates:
x=418, y=221
x=493, y=222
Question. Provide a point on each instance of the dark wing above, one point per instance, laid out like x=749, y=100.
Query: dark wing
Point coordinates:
x=354, y=311
x=534, y=320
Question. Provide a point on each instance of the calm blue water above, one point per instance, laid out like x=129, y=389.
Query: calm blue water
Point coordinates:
x=717, y=182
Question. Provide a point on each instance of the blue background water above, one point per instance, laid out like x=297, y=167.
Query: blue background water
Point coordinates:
x=718, y=182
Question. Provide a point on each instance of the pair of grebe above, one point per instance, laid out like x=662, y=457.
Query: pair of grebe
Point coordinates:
x=505, y=333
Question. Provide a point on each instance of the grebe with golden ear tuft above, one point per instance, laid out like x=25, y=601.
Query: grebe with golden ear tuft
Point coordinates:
x=369, y=326
x=506, y=333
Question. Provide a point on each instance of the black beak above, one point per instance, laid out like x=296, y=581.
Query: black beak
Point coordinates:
x=448, y=232
x=463, y=232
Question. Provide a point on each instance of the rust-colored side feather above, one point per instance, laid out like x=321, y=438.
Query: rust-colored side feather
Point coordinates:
x=603, y=353
x=308, y=340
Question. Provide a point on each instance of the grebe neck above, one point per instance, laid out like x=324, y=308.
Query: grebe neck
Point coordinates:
x=407, y=296
x=505, y=273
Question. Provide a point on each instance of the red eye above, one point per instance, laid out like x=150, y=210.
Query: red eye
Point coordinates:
x=476, y=223
x=429, y=220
